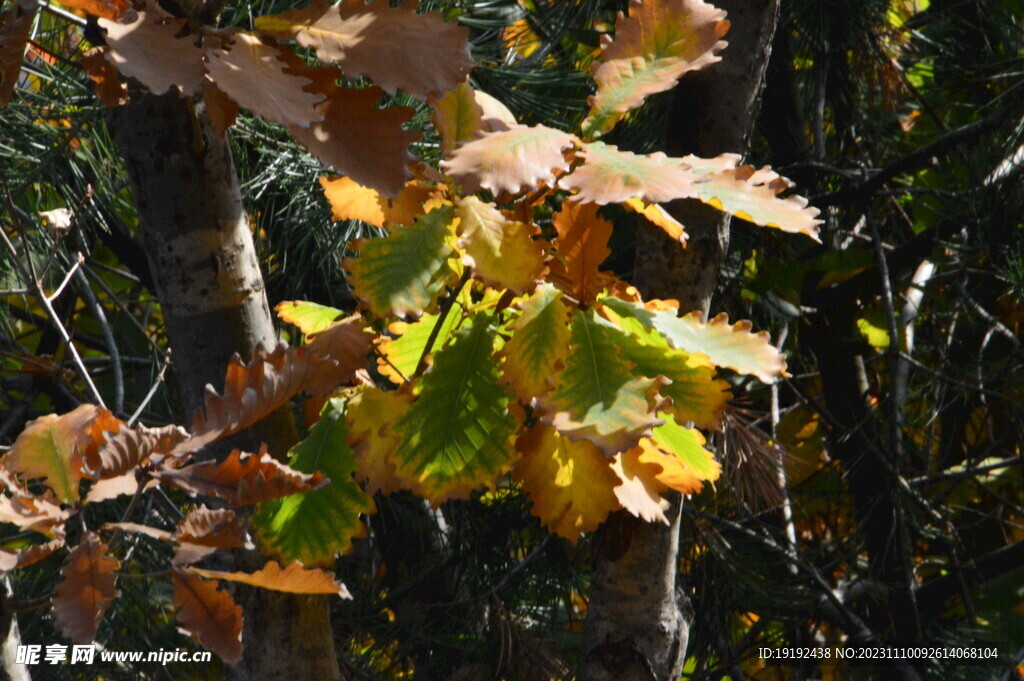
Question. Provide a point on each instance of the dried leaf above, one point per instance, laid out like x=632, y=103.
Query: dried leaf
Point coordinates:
x=111, y=488
x=385, y=43
x=254, y=75
x=15, y=30
x=242, y=479
x=33, y=514
x=109, y=88
x=150, y=50
x=608, y=175
x=86, y=589
x=507, y=160
x=209, y=614
x=570, y=483
x=294, y=579
x=130, y=447
x=501, y=252
x=221, y=109
x=215, y=527
x=30, y=555
x=583, y=245
x=360, y=140
x=658, y=43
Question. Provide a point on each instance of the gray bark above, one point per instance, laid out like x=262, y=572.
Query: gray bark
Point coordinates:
x=211, y=292
x=636, y=626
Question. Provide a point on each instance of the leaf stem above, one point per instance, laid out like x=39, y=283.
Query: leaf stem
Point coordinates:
x=446, y=307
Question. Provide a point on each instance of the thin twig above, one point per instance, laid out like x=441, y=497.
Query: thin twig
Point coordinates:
x=442, y=314
x=152, y=390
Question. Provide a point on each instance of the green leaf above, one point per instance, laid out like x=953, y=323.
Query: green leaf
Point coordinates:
x=313, y=527
x=311, y=318
x=540, y=341
x=458, y=434
x=404, y=272
x=50, y=449
x=726, y=345
x=597, y=397
x=401, y=354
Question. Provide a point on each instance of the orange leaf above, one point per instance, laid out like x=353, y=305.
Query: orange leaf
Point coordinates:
x=507, y=160
x=150, y=50
x=659, y=217
x=221, y=109
x=208, y=614
x=361, y=140
x=115, y=10
x=255, y=76
x=385, y=43
x=294, y=579
x=109, y=88
x=242, y=479
x=216, y=527
x=352, y=201
x=15, y=30
x=583, y=244
x=86, y=590
x=130, y=447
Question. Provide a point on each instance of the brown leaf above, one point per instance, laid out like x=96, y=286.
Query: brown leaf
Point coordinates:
x=255, y=390
x=15, y=30
x=86, y=590
x=242, y=479
x=130, y=447
x=136, y=528
x=111, y=488
x=221, y=109
x=256, y=76
x=209, y=614
x=385, y=43
x=583, y=244
x=150, y=50
x=215, y=527
x=109, y=88
x=13, y=560
x=31, y=513
x=294, y=579
x=360, y=140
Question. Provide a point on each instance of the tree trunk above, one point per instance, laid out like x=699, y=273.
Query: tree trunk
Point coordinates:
x=211, y=292
x=635, y=627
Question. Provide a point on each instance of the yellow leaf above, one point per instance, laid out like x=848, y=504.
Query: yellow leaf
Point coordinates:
x=658, y=217
x=352, y=201
x=501, y=252
x=51, y=447
x=539, y=344
x=370, y=415
x=570, y=483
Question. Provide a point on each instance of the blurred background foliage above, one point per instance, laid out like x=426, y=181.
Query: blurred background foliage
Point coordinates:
x=902, y=119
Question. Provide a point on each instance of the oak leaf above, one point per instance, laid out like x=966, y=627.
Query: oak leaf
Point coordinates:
x=242, y=479
x=315, y=526
x=358, y=139
x=464, y=111
x=220, y=109
x=538, y=346
x=753, y=195
x=404, y=272
x=209, y=614
x=596, y=396
x=86, y=590
x=501, y=252
x=726, y=345
x=311, y=318
x=150, y=50
x=400, y=354
x=216, y=527
x=33, y=513
x=504, y=161
x=638, y=490
x=608, y=175
x=685, y=464
x=659, y=42
x=570, y=483
x=385, y=43
x=352, y=201
x=29, y=555
x=659, y=217
x=371, y=415
x=15, y=31
x=294, y=579
x=50, y=448
x=583, y=245
x=255, y=76
x=127, y=448
x=457, y=435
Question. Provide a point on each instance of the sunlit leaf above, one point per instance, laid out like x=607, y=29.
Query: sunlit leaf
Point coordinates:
x=539, y=344
x=659, y=42
x=507, y=160
x=638, y=490
x=608, y=175
x=404, y=272
x=457, y=435
x=464, y=111
x=371, y=415
x=294, y=579
x=150, y=50
x=402, y=352
x=570, y=483
x=382, y=42
x=311, y=318
x=658, y=217
x=352, y=201
x=501, y=252
x=583, y=245
x=685, y=464
x=753, y=195
x=49, y=449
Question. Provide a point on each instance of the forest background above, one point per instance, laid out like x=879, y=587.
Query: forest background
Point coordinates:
x=873, y=493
